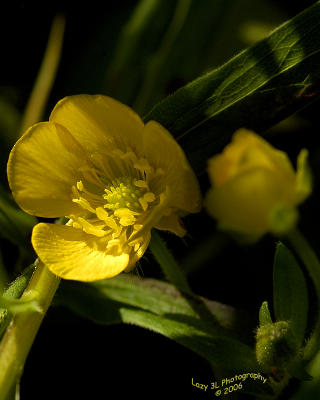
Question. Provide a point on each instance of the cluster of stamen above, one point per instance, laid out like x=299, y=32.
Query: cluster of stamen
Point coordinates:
x=123, y=193
x=113, y=210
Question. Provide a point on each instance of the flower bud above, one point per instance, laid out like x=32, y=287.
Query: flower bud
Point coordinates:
x=255, y=189
x=276, y=345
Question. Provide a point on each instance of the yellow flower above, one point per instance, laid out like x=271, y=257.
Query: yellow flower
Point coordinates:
x=113, y=177
x=255, y=189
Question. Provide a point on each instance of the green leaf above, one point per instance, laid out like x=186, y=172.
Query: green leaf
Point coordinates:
x=17, y=287
x=15, y=392
x=264, y=314
x=290, y=296
x=160, y=307
x=259, y=87
x=4, y=320
x=151, y=295
x=310, y=390
x=298, y=370
x=166, y=260
x=220, y=350
x=14, y=291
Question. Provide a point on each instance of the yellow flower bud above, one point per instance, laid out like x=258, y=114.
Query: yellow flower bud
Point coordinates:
x=255, y=189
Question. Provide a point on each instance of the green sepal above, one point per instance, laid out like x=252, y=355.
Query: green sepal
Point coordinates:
x=14, y=291
x=17, y=287
x=283, y=219
x=10, y=299
x=264, y=314
x=304, y=175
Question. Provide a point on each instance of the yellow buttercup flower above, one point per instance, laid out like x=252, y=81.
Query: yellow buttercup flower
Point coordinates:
x=113, y=177
x=255, y=189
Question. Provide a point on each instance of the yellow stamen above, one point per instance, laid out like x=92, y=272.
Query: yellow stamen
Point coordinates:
x=84, y=204
x=126, y=216
x=89, y=228
x=140, y=183
x=119, y=212
x=147, y=198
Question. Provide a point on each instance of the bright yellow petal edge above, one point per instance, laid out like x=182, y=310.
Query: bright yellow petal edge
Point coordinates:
x=113, y=177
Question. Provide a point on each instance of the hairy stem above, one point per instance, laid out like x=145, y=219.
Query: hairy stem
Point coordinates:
x=20, y=334
x=175, y=275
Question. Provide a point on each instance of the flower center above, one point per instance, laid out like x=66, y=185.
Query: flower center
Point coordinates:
x=117, y=208
x=122, y=204
x=126, y=193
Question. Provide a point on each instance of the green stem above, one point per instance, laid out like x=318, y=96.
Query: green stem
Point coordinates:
x=20, y=334
x=46, y=76
x=312, y=263
x=168, y=263
x=174, y=274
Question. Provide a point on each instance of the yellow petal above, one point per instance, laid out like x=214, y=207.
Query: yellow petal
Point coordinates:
x=135, y=256
x=245, y=202
x=171, y=223
x=72, y=254
x=162, y=151
x=248, y=151
x=42, y=167
x=98, y=122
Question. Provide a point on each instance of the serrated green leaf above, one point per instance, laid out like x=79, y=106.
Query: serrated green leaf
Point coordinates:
x=264, y=314
x=160, y=307
x=262, y=85
x=221, y=351
x=151, y=295
x=290, y=295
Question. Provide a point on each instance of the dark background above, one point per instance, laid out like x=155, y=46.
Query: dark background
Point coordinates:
x=72, y=357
